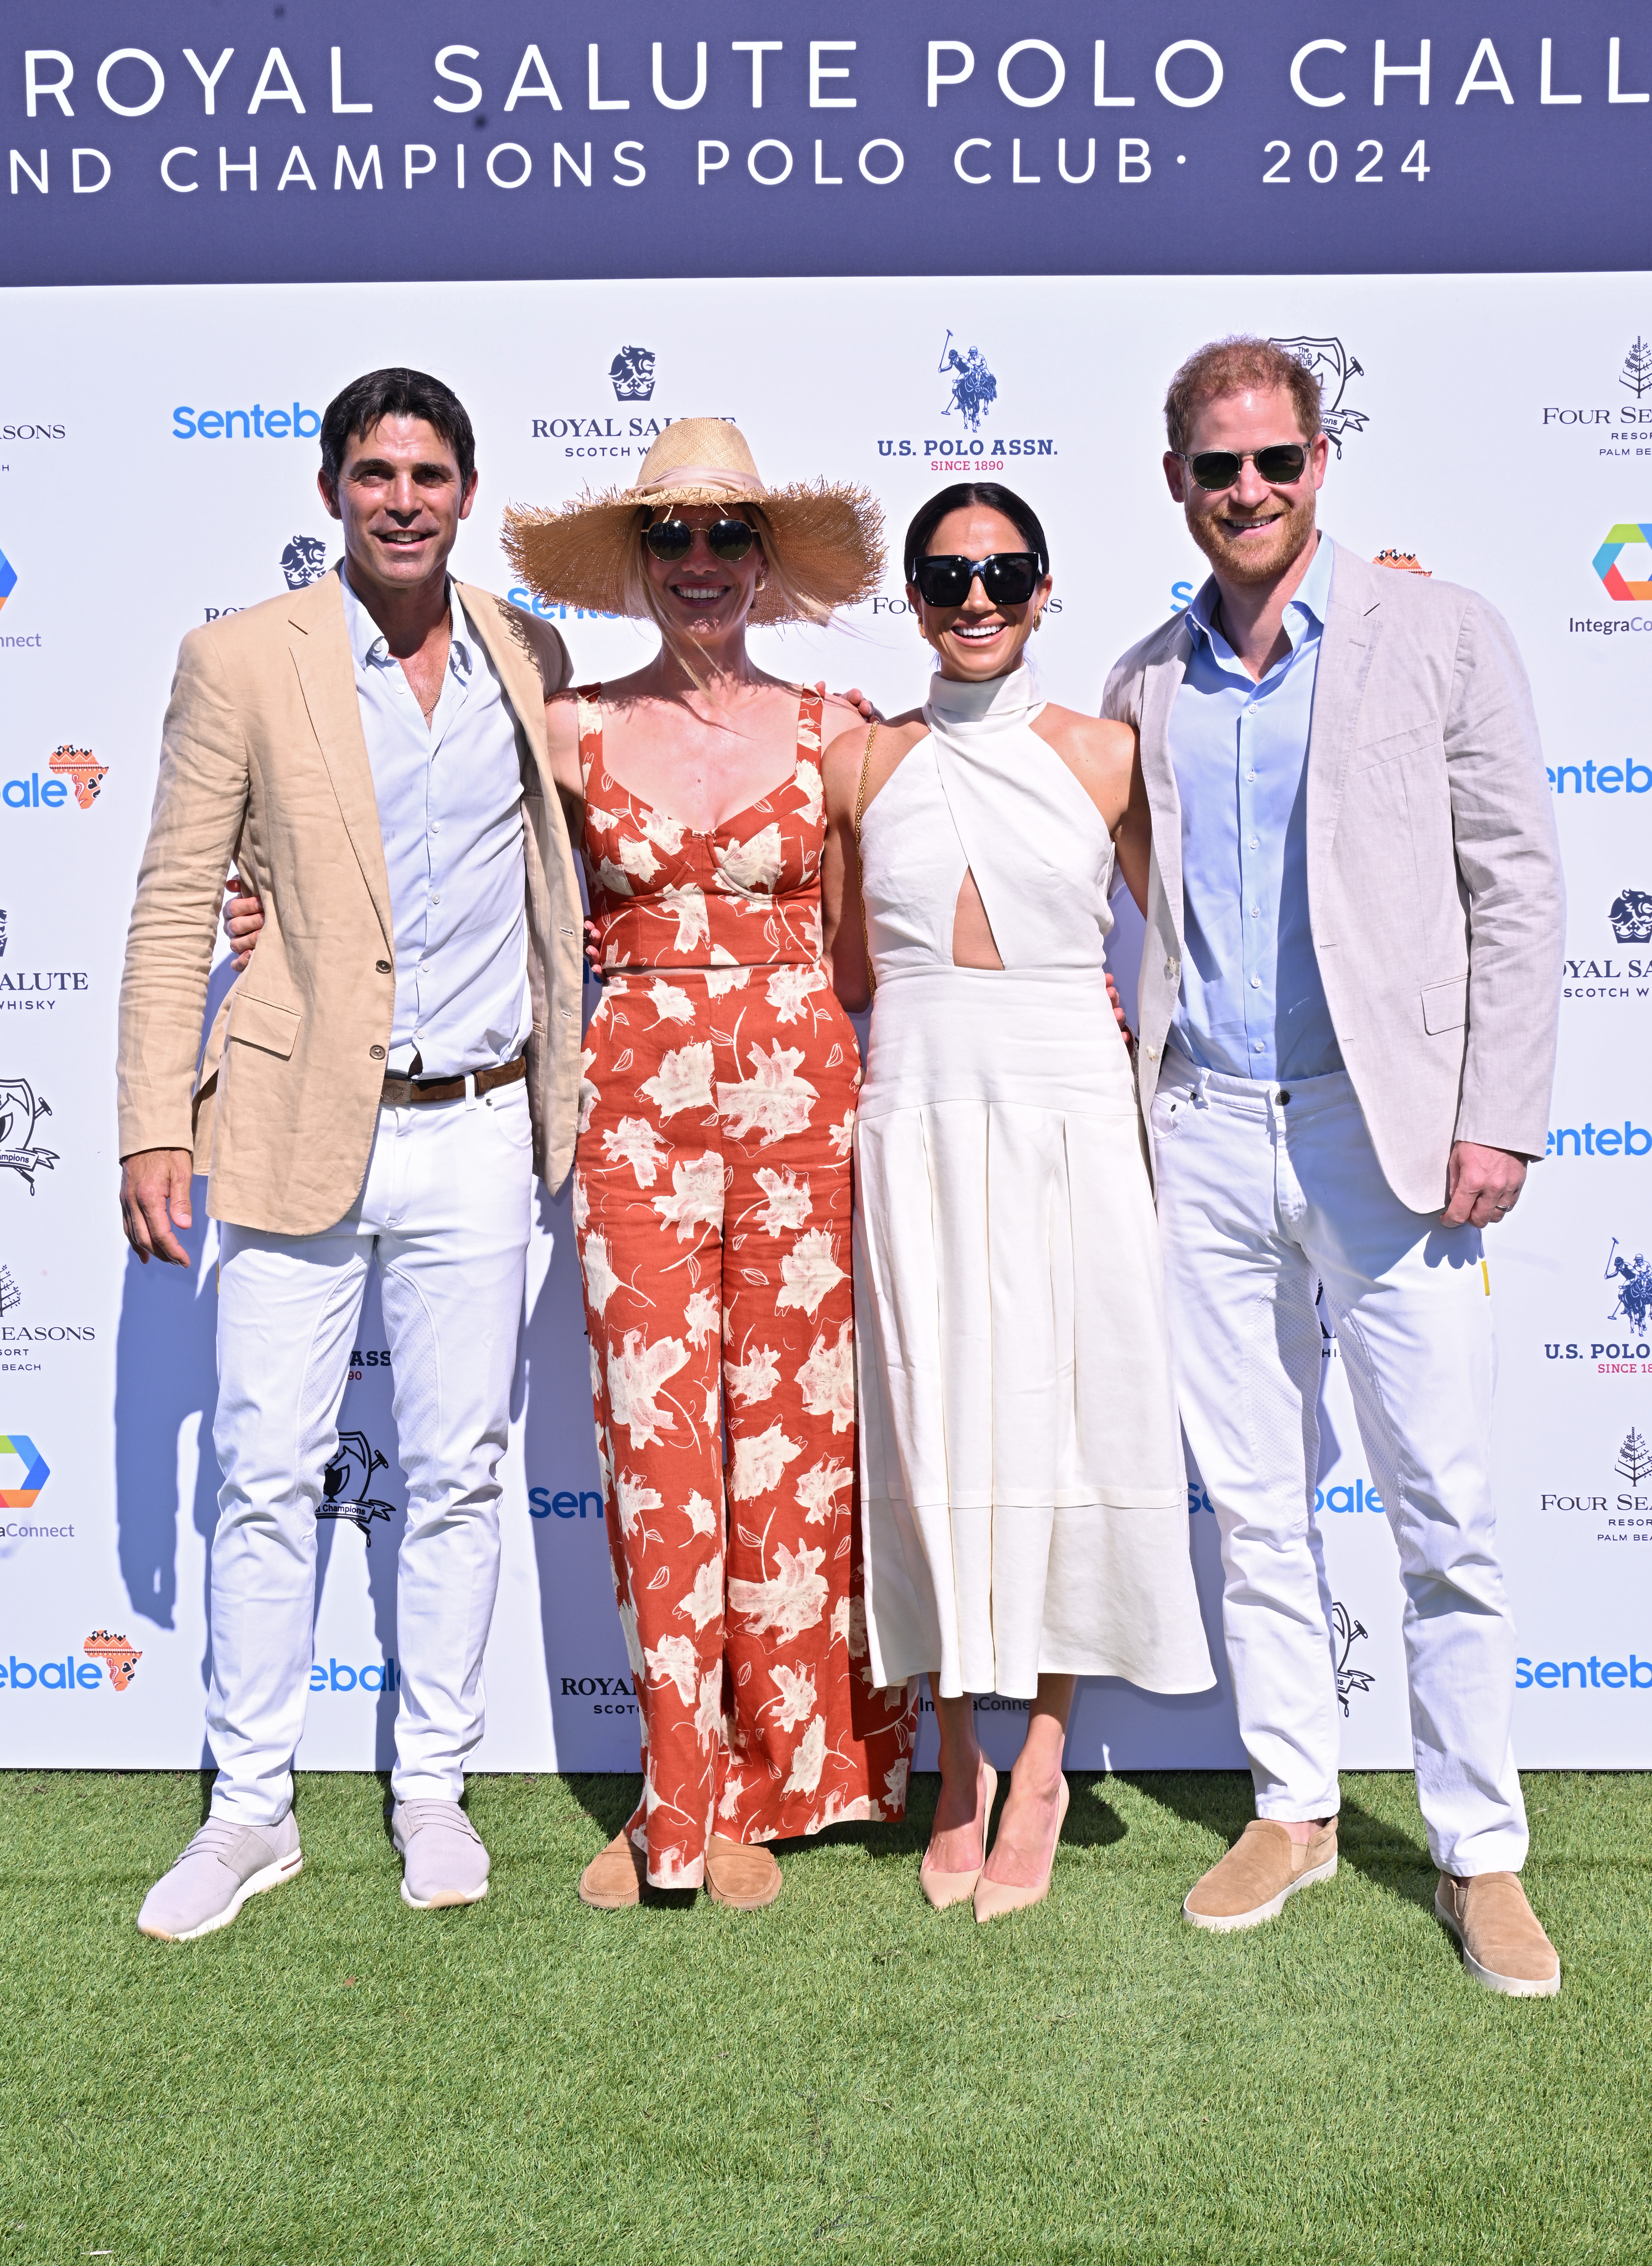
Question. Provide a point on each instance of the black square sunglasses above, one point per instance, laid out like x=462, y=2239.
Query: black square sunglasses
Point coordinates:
x=1219, y=468
x=1008, y=577
x=726, y=539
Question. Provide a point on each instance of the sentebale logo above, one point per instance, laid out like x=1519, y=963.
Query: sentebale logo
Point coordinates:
x=1624, y=536
x=36, y=1471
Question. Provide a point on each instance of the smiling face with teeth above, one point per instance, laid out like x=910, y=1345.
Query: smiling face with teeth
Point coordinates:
x=400, y=498
x=978, y=639
x=1254, y=531
x=701, y=598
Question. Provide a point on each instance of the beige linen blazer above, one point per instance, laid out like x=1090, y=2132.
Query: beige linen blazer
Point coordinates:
x=1435, y=887
x=264, y=764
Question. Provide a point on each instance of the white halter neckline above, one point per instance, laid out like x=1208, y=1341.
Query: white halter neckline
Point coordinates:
x=1001, y=700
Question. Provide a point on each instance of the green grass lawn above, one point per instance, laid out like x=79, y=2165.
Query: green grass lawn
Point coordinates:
x=336, y=2078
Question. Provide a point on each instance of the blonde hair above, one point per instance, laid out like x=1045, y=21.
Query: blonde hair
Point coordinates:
x=1237, y=365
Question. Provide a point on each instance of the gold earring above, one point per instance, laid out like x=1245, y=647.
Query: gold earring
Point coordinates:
x=1038, y=621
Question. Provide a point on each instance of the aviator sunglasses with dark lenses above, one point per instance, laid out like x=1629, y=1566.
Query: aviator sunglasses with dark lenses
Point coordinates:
x=1008, y=577
x=727, y=539
x=1219, y=468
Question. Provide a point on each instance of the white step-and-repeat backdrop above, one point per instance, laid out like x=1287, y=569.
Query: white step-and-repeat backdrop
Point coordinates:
x=157, y=470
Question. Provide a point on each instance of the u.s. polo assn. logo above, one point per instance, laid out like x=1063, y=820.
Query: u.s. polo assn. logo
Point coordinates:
x=974, y=387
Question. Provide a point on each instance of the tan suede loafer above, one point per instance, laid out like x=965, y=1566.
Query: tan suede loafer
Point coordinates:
x=1259, y=1872
x=616, y=1877
x=741, y=1875
x=1503, y=1943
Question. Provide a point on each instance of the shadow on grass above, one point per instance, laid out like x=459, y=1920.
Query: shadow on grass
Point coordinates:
x=1388, y=1854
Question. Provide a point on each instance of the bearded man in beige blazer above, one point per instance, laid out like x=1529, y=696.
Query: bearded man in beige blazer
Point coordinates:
x=399, y=1060
x=1350, y=998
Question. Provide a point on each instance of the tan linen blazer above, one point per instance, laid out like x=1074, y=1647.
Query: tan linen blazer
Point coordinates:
x=264, y=764
x=1435, y=887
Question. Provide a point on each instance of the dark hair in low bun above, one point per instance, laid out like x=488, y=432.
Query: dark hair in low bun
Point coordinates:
x=991, y=497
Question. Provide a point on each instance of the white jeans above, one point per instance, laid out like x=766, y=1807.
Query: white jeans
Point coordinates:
x=445, y=1208
x=1265, y=1192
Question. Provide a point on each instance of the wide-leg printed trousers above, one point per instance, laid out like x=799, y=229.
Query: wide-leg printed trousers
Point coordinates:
x=712, y=1203
x=1265, y=1193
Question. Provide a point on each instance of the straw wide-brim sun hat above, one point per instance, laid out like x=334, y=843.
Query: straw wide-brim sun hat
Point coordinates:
x=826, y=539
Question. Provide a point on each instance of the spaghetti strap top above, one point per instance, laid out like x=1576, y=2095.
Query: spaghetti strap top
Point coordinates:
x=746, y=895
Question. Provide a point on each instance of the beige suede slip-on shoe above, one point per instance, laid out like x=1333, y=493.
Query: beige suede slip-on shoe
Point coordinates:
x=1262, y=1869
x=616, y=1877
x=1503, y=1939
x=994, y=1898
x=944, y=1889
x=741, y=1875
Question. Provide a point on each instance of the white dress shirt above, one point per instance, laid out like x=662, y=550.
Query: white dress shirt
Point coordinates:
x=449, y=810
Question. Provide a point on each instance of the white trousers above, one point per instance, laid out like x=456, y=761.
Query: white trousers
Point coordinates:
x=444, y=1208
x=1265, y=1192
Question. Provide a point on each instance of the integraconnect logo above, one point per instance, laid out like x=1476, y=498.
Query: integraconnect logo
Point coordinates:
x=21, y=1110
x=1328, y=360
x=30, y=1475
x=1628, y=535
x=8, y=578
x=355, y=1461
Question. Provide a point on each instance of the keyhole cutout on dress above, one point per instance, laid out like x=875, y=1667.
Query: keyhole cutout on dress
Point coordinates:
x=973, y=942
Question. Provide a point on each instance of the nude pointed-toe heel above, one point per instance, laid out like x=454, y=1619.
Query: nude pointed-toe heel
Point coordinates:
x=946, y=1888
x=994, y=1898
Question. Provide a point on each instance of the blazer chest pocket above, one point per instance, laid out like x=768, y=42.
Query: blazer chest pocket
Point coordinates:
x=1445, y=1005
x=261, y=1023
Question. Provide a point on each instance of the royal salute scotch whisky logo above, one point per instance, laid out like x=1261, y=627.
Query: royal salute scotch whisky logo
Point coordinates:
x=1631, y=917
x=631, y=370
x=974, y=387
x=1349, y=1634
x=21, y=1110
x=303, y=561
x=345, y=1480
x=1330, y=361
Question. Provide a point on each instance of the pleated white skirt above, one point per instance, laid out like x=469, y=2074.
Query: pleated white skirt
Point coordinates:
x=1024, y=1500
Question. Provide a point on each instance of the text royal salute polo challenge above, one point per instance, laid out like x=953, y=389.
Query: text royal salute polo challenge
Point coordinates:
x=1159, y=146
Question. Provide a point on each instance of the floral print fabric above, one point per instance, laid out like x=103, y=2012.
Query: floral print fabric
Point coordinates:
x=712, y=1207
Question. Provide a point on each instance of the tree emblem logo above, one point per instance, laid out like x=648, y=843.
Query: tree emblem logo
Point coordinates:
x=354, y=1458
x=1637, y=369
x=1635, y=1460
x=1349, y=1634
x=974, y=387
x=1330, y=361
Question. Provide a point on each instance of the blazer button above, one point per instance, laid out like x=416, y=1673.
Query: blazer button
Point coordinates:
x=378, y=1052
x=382, y=967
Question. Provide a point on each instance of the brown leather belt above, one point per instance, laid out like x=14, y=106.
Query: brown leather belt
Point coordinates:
x=399, y=1092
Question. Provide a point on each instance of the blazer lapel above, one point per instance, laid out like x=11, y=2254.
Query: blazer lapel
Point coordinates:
x=518, y=673
x=1161, y=682
x=1353, y=626
x=320, y=647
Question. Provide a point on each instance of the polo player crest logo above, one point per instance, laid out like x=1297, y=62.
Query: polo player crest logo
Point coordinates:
x=974, y=387
x=631, y=370
x=21, y=1110
x=1330, y=361
x=354, y=1461
x=1348, y=1633
x=305, y=561
x=1631, y=917
x=1633, y=1278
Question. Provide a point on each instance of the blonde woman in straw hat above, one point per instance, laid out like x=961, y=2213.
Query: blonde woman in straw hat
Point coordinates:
x=711, y=1180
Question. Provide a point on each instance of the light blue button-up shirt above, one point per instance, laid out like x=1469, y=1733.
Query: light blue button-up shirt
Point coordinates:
x=450, y=810
x=1252, y=1002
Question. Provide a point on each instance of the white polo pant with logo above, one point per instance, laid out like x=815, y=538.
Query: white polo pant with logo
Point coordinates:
x=1265, y=1192
x=444, y=1208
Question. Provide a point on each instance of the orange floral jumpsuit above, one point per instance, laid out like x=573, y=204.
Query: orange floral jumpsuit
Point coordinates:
x=712, y=1207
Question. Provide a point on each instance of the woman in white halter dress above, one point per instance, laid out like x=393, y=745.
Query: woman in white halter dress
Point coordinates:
x=1024, y=1500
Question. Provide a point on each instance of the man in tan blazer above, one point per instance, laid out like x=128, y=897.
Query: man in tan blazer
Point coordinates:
x=399, y=1058
x=1350, y=996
